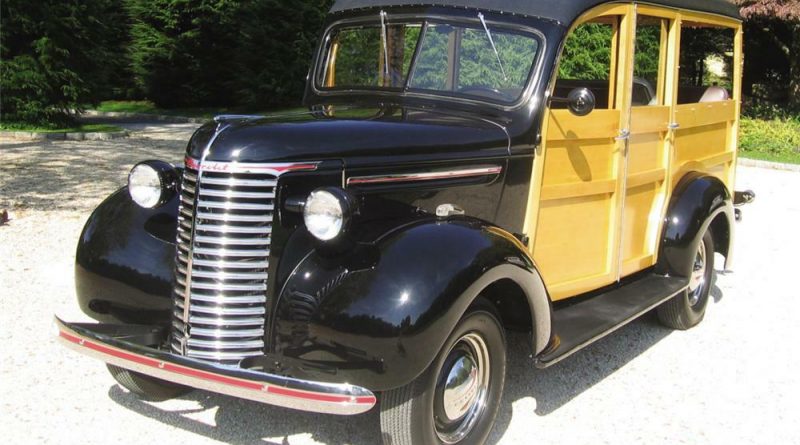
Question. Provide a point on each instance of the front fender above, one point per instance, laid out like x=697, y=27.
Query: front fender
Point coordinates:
x=125, y=260
x=697, y=201
x=378, y=315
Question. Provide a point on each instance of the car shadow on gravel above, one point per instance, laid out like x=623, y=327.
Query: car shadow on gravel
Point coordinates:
x=239, y=421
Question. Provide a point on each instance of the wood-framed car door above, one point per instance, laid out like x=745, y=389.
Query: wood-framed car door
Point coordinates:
x=647, y=158
x=575, y=204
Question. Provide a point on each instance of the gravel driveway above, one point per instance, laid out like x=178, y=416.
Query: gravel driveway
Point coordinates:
x=733, y=379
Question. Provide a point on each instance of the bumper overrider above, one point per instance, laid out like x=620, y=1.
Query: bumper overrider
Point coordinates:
x=118, y=347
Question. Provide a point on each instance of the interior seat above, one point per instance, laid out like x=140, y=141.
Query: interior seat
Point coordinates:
x=715, y=94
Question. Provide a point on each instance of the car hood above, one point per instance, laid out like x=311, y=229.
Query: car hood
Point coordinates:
x=355, y=135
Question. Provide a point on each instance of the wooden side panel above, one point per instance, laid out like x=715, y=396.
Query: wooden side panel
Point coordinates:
x=576, y=220
x=702, y=142
x=645, y=182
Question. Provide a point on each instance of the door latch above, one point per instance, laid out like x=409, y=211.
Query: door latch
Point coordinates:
x=623, y=135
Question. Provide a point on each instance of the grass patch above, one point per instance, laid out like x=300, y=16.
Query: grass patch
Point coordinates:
x=147, y=107
x=776, y=140
x=84, y=128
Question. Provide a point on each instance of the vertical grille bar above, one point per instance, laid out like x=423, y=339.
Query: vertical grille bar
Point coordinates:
x=223, y=242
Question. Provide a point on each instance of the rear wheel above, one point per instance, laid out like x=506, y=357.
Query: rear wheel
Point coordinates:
x=687, y=309
x=455, y=401
x=146, y=387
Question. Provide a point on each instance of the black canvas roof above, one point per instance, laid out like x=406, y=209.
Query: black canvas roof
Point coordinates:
x=564, y=11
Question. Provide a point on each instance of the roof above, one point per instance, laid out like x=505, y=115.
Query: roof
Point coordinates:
x=564, y=11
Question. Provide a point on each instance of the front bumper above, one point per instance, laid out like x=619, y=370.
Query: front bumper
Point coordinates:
x=113, y=345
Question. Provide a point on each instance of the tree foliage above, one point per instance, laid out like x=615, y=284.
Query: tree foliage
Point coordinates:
x=772, y=48
x=223, y=52
x=587, y=53
x=56, y=56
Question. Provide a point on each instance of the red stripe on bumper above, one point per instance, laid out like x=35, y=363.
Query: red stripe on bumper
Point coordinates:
x=230, y=381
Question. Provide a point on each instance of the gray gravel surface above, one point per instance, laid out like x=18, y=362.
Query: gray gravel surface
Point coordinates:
x=733, y=379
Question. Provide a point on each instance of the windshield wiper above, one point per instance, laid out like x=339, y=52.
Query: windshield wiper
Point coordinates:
x=491, y=41
x=385, y=48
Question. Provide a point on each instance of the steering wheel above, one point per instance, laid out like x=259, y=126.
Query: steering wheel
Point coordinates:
x=482, y=90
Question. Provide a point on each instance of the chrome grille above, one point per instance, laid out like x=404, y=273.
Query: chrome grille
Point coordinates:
x=224, y=230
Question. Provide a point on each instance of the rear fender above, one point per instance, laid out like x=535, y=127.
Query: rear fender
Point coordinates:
x=698, y=201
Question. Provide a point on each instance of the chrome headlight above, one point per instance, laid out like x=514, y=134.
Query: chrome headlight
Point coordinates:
x=327, y=212
x=152, y=183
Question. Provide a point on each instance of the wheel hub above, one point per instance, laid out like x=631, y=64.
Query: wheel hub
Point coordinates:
x=462, y=390
x=697, y=280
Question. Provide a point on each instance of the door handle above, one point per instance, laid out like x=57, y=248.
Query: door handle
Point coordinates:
x=623, y=135
x=673, y=126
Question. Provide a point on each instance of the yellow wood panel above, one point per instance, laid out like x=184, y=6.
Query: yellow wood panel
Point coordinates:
x=600, y=124
x=572, y=241
x=650, y=119
x=646, y=177
x=656, y=11
x=700, y=114
x=644, y=152
x=716, y=160
x=710, y=19
x=636, y=264
x=577, y=201
x=576, y=189
x=694, y=144
x=578, y=161
x=638, y=217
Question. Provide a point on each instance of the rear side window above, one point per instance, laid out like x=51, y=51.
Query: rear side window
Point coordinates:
x=706, y=63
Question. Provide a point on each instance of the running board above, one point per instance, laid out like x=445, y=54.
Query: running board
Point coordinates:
x=583, y=323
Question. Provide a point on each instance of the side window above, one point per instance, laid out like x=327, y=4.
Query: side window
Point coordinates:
x=649, y=61
x=706, y=63
x=586, y=61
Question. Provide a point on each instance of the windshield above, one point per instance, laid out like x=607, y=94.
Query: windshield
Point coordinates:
x=432, y=57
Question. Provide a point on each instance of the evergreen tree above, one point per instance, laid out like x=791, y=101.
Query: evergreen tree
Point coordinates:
x=56, y=56
x=223, y=52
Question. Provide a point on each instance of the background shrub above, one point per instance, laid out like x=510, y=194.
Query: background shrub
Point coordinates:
x=57, y=55
x=255, y=53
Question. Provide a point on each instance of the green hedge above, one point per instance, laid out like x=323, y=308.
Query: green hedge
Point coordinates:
x=772, y=140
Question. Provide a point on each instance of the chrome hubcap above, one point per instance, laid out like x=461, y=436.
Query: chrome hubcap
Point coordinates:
x=697, y=281
x=462, y=388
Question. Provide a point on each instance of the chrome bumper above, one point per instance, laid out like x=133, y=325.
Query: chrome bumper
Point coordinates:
x=276, y=390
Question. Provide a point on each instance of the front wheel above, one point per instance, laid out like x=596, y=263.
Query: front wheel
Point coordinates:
x=687, y=309
x=455, y=401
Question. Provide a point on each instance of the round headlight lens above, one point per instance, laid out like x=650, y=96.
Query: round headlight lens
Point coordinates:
x=324, y=214
x=145, y=186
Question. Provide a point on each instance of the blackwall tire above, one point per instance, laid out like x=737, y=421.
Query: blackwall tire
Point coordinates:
x=146, y=387
x=688, y=308
x=455, y=401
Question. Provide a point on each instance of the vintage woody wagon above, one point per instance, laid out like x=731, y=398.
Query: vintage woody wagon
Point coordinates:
x=465, y=168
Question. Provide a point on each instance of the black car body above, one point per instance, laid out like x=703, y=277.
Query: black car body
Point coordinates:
x=436, y=188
